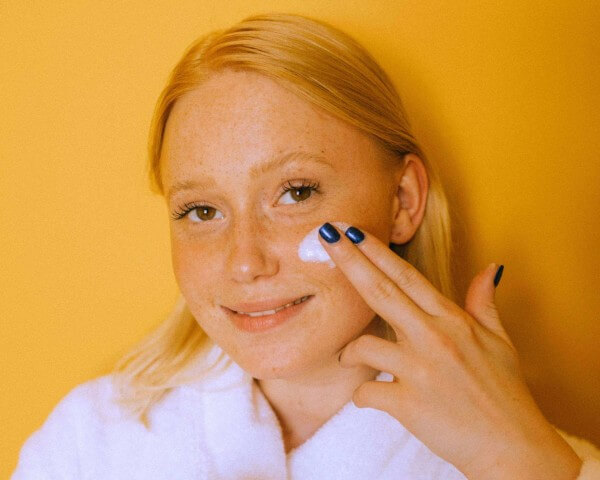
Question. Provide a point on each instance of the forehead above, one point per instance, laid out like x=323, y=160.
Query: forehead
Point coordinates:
x=238, y=119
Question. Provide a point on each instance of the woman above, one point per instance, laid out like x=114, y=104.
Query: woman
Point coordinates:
x=316, y=335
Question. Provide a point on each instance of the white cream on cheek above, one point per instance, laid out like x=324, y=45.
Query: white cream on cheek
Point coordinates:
x=310, y=248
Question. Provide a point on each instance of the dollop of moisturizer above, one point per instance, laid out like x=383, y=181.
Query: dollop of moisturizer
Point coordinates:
x=310, y=248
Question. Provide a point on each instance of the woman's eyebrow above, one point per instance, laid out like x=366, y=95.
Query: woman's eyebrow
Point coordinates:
x=256, y=171
x=289, y=157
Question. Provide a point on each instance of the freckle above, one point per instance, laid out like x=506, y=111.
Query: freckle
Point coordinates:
x=311, y=250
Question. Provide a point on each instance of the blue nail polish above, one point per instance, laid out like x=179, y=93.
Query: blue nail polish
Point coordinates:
x=498, y=275
x=329, y=233
x=355, y=235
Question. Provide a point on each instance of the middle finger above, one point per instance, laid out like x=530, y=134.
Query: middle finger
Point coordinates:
x=377, y=289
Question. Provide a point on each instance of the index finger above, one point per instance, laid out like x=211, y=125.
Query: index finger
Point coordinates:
x=408, y=278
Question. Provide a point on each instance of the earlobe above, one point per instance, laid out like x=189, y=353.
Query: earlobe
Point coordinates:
x=409, y=201
x=402, y=228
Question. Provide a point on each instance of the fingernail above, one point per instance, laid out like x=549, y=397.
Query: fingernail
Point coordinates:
x=329, y=233
x=498, y=275
x=355, y=235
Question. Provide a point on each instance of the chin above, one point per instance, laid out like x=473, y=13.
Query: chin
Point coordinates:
x=271, y=365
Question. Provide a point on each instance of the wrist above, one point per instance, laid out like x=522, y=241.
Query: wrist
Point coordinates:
x=550, y=458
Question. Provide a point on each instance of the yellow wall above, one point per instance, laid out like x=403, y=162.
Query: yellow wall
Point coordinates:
x=504, y=95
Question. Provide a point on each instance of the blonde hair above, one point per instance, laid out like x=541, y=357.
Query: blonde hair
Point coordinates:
x=329, y=68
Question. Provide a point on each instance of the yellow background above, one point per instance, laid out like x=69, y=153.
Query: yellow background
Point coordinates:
x=504, y=95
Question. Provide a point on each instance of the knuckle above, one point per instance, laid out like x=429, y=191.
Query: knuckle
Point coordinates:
x=406, y=276
x=364, y=342
x=465, y=327
x=430, y=328
x=490, y=310
x=446, y=344
x=383, y=289
x=358, y=348
x=448, y=306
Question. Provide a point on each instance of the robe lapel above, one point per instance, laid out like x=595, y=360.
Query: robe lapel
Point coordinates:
x=355, y=443
x=242, y=436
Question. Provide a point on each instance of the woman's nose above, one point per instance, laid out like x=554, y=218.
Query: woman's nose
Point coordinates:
x=249, y=256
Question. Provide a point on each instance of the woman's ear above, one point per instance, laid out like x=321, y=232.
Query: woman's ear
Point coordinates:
x=408, y=208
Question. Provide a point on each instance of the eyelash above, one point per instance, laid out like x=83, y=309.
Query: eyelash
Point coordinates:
x=288, y=186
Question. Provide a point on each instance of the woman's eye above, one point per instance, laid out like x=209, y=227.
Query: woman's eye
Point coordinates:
x=203, y=213
x=299, y=193
x=197, y=213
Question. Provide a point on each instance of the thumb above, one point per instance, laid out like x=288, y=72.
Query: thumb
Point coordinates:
x=480, y=300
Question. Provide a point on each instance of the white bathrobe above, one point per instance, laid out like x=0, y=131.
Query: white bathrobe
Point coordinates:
x=223, y=428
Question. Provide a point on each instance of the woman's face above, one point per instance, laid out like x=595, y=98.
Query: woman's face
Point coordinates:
x=241, y=245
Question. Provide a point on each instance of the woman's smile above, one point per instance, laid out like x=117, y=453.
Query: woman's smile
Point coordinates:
x=266, y=306
x=265, y=320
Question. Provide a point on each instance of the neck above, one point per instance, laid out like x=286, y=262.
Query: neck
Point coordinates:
x=305, y=402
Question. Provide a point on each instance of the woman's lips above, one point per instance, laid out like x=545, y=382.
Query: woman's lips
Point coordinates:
x=263, y=305
x=261, y=323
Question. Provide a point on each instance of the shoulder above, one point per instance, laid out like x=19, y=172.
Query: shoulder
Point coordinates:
x=93, y=400
x=89, y=399
x=90, y=432
x=91, y=393
x=69, y=428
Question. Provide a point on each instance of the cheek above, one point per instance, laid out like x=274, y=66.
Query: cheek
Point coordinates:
x=354, y=312
x=343, y=311
x=192, y=266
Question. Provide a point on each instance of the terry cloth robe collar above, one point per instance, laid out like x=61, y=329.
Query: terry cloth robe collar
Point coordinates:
x=243, y=438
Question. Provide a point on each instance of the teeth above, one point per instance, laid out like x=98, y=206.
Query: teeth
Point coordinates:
x=260, y=314
x=271, y=312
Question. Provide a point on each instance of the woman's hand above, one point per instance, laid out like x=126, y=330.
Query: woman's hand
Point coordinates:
x=458, y=385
